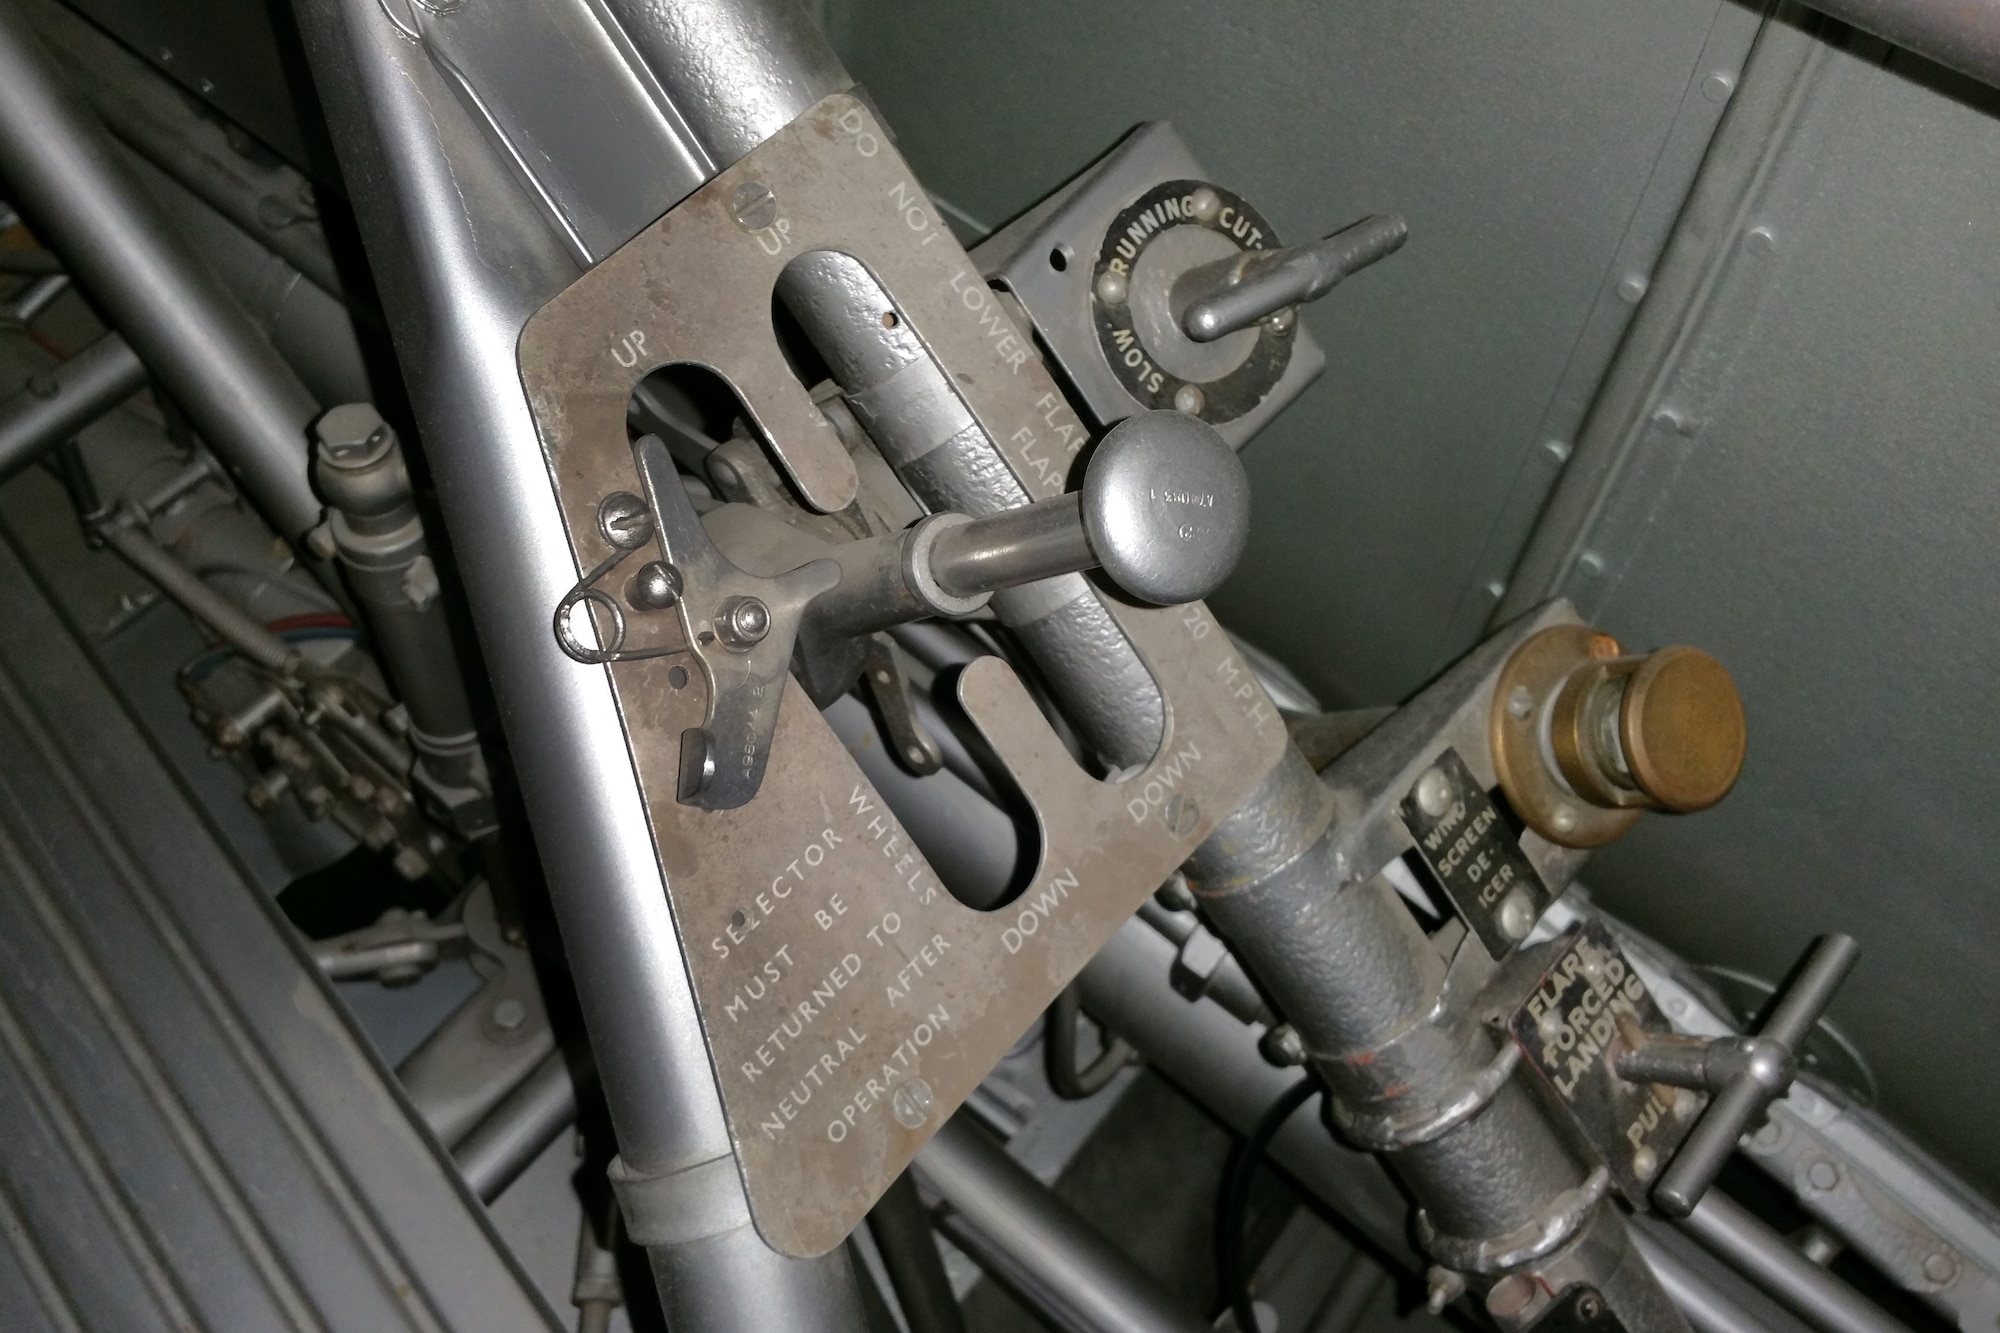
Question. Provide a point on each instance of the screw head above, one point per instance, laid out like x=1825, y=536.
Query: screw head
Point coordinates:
x=1205, y=204
x=1283, y=1047
x=911, y=1102
x=656, y=587
x=1111, y=288
x=509, y=1014
x=624, y=521
x=1823, y=1175
x=753, y=206
x=1940, y=1267
x=1645, y=1162
x=1520, y=703
x=1282, y=320
x=745, y=622
x=1189, y=399
x=1434, y=793
x=1181, y=814
x=1517, y=915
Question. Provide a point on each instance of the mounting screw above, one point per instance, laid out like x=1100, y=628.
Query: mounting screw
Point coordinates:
x=1189, y=399
x=753, y=206
x=1283, y=1047
x=509, y=1014
x=1111, y=288
x=1434, y=793
x=1205, y=204
x=623, y=520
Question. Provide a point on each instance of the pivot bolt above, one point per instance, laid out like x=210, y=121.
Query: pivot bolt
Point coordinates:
x=656, y=587
x=744, y=622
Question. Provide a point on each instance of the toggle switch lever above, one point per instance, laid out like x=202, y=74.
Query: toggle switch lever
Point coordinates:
x=1216, y=300
x=1744, y=1074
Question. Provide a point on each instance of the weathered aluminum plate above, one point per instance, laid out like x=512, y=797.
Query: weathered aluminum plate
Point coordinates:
x=850, y=1003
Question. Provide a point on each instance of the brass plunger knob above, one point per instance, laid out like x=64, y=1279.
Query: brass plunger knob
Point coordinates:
x=1665, y=730
x=1660, y=731
x=1682, y=726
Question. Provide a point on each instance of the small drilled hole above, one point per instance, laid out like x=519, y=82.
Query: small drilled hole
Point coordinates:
x=888, y=319
x=677, y=676
x=1059, y=258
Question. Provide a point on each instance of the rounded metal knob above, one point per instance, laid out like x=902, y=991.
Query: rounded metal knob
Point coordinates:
x=1166, y=507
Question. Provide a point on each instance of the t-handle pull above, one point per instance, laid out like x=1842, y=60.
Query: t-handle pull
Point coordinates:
x=1744, y=1074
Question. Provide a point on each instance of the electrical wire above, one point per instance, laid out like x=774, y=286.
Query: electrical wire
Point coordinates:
x=1059, y=1045
x=1232, y=1208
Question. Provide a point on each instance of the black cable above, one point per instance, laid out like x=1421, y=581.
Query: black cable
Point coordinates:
x=903, y=1235
x=1059, y=1046
x=1233, y=1206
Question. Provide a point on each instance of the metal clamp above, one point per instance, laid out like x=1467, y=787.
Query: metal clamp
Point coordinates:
x=1745, y=1073
x=1560, y=1219
x=1398, y=1130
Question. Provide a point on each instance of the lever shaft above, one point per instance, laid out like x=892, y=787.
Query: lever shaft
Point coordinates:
x=1216, y=300
x=1164, y=510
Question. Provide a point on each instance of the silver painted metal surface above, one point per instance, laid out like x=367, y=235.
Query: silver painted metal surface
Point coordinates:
x=63, y=169
x=1016, y=1228
x=202, y=602
x=1164, y=511
x=514, y=1133
x=1777, y=1265
x=53, y=408
x=463, y=259
x=545, y=81
x=374, y=526
x=197, y=1137
x=1866, y=1183
x=1215, y=1058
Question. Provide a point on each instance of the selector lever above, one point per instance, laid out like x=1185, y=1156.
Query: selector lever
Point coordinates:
x=1164, y=511
x=1224, y=297
x=1745, y=1074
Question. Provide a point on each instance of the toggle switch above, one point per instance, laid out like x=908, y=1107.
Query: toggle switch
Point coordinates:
x=1221, y=298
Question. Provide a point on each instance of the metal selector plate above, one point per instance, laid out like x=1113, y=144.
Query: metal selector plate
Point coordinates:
x=849, y=1002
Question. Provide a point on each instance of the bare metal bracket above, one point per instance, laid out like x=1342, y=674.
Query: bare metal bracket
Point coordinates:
x=850, y=1004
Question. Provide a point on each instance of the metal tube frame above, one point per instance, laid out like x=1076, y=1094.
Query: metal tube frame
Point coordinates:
x=463, y=257
x=66, y=174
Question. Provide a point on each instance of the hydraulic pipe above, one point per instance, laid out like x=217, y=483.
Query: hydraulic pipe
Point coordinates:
x=1780, y=1267
x=515, y=1131
x=54, y=407
x=202, y=602
x=1018, y=1230
x=65, y=173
